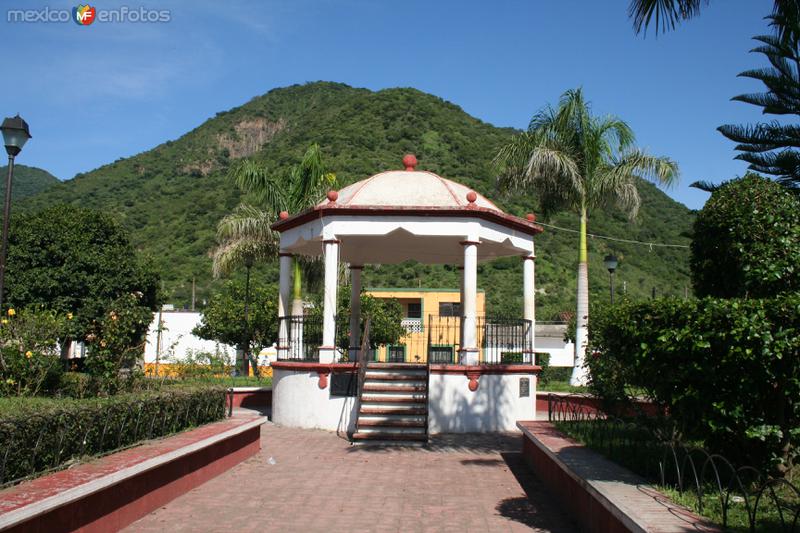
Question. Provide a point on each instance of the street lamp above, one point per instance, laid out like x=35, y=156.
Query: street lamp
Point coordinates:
x=610, y=261
x=15, y=135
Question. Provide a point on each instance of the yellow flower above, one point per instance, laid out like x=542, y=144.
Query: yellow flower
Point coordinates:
x=10, y=381
x=29, y=354
x=103, y=344
x=4, y=321
x=11, y=312
x=69, y=316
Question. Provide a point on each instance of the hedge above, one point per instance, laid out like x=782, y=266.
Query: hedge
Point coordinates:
x=727, y=370
x=32, y=444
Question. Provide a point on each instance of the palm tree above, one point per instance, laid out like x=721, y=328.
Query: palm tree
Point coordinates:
x=573, y=160
x=246, y=235
x=666, y=14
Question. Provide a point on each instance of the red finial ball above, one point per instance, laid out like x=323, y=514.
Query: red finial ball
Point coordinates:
x=531, y=217
x=471, y=197
x=283, y=215
x=409, y=161
x=332, y=196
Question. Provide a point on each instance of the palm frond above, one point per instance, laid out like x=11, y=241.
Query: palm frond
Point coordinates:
x=246, y=222
x=704, y=185
x=254, y=179
x=234, y=254
x=665, y=14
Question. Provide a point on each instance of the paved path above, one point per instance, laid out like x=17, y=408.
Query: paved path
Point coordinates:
x=318, y=482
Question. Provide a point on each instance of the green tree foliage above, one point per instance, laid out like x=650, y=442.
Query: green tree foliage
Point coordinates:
x=727, y=370
x=27, y=182
x=666, y=14
x=385, y=316
x=771, y=147
x=747, y=241
x=78, y=261
x=172, y=197
x=223, y=317
x=576, y=161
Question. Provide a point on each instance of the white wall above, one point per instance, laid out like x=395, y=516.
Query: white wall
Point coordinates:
x=495, y=406
x=297, y=401
x=550, y=339
x=177, y=339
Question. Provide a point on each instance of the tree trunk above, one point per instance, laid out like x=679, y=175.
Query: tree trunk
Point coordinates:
x=580, y=374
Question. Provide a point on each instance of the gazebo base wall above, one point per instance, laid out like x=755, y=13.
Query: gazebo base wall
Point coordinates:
x=477, y=399
x=301, y=398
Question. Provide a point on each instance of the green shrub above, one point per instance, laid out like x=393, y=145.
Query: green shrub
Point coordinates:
x=76, y=385
x=727, y=370
x=747, y=241
x=51, y=438
x=30, y=361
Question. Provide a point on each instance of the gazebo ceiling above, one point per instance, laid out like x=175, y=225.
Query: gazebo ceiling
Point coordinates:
x=407, y=214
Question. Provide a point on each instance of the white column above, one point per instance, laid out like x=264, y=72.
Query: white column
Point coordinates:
x=284, y=296
x=461, y=305
x=355, y=310
x=469, y=350
x=327, y=352
x=529, y=303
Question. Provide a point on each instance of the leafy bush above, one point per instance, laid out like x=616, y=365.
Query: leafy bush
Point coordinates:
x=727, y=370
x=549, y=373
x=223, y=317
x=747, y=241
x=30, y=361
x=199, y=364
x=116, y=343
x=75, y=260
x=49, y=439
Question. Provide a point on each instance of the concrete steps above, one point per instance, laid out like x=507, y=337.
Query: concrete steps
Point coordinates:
x=394, y=405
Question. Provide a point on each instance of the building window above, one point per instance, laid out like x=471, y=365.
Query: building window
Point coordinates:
x=414, y=310
x=441, y=354
x=397, y=354
x=449, y=309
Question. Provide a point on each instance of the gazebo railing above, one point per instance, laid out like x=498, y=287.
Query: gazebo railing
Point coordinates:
x=499, y=341
x=299, y=338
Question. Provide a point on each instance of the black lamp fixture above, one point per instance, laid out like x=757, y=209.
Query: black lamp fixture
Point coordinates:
x=15, y=135
x=610, y=261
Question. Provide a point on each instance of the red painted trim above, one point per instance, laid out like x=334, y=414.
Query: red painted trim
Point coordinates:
x=304, y=366
x=473, y=380
x=331, y=241
x=464, y=243
x=323, y=378
x=252, y=399
x=485, y=213
x=356, y=267
x=285, y=254
x=468, y=350
x=485, y=369
x=529, y=258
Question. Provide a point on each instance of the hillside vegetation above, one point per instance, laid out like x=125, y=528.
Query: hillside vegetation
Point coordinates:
x=27, y=181
x=172, y=196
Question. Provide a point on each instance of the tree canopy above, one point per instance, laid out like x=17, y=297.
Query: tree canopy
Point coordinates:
x=78, y=261
x=747, y=241
x=223, y=317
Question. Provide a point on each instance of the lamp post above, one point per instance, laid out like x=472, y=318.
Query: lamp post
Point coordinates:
x=248, y=264
x=15, y=135
x=610, y=261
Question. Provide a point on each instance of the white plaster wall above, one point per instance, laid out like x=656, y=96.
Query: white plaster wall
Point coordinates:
x=297, y=401
x=561, y=353
x=495, y=406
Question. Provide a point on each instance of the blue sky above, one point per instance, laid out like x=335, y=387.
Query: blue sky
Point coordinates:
x=98, y=93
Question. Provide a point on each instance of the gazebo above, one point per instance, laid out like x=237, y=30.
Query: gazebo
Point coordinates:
x=388, y=218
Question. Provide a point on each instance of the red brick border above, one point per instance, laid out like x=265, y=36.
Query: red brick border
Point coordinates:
x=115, y=491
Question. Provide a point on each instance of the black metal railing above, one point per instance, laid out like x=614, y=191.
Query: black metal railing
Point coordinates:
x=299, y=338
x=741, y=498
x=498, y=341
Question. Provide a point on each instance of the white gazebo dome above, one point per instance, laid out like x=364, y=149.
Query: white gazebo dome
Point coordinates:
x=408, y=188
x=398, y=215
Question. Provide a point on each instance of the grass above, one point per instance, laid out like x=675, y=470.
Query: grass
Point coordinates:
x=225, y=381
x=636, y=449
x=561, y=386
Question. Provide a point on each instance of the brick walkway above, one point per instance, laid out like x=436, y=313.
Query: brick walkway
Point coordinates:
x=320, y=483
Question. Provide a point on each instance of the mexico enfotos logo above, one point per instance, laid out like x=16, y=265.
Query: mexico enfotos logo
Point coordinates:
x=85, y=15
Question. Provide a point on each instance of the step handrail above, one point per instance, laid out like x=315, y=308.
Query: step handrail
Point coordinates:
x=362, y=368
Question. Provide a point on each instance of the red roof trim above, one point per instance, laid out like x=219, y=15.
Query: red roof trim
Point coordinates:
x=485, y=213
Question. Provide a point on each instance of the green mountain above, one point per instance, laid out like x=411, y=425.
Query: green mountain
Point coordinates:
x=172, y=196
x=27, y=181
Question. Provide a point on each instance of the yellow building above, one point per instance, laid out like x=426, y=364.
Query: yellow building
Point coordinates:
x=432, y=319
